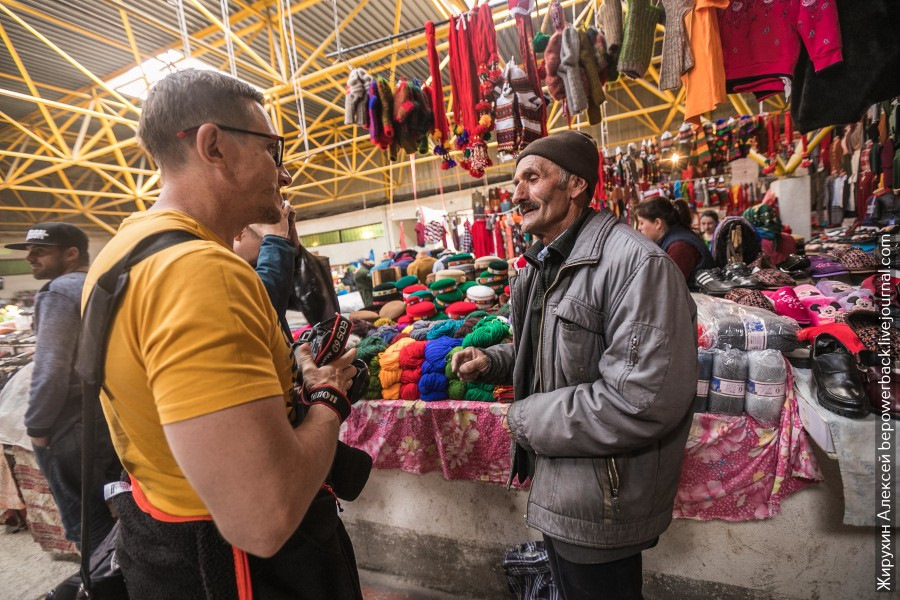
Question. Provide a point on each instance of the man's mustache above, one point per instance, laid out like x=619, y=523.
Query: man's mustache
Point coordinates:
x=526, y=206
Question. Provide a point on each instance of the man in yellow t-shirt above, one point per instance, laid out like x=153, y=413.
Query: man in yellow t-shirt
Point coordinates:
x=198, y=370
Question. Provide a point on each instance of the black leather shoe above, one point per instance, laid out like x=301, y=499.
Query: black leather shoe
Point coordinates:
x=710, y=281
x=839, y=382
x=793, y=263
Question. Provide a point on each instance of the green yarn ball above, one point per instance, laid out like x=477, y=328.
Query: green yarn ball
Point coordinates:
x=457, y=390
x=480, y=392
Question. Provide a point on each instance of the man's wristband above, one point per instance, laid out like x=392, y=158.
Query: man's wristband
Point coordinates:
x=330, y=397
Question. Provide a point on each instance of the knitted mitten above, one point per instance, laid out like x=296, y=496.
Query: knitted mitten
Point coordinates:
x=637, y=48
x=587, y=58
x=570, y=71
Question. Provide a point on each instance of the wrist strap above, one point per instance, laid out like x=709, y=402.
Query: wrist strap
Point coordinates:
x=331, y=398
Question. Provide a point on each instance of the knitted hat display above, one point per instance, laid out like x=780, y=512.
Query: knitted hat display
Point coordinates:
x=464, y=286
x=483, y=296
x=570, y=71
x=455, y=274
x=587, y=58
x=574, y=151
x=637, y=47
x=421, y=310
x=384, y=293
x=482, y=263
x=459, y=259
x=488, y=278
x=410, y=289
x=356, y=110
x=392, y=310
x=444, y=286
x=423, y=294
x=498, y=267
x=442, y=301
x=406, y=281
x=364, y=315
x=460, y=310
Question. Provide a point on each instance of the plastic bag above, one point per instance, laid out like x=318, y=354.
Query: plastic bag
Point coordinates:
x=724, y=324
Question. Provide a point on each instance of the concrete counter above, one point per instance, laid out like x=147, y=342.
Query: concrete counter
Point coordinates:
x=451, y=536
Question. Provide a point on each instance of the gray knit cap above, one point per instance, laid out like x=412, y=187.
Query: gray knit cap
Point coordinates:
x=574, y=151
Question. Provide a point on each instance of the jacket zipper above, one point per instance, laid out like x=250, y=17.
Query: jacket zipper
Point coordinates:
x=613, y=473
x=634, y=350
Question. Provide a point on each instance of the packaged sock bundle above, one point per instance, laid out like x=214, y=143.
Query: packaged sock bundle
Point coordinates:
x=729, y=378
x=701, y=399
x=765, y=386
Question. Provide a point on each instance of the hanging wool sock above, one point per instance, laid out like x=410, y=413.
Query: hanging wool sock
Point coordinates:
x=356, y=104
x=765, y=386
x=727, y=387
x=587, y=58
x=640, y=28
x=570, y=71
x=611, y=25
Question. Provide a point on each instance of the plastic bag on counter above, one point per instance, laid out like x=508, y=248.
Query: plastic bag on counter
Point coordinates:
x=724, y=324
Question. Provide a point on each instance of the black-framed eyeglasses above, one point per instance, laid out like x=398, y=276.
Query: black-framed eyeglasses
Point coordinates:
x=277, y=149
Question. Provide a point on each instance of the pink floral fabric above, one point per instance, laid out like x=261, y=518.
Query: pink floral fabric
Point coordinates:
x=734, y=468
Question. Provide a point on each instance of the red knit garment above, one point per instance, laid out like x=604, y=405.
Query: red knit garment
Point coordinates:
x=463, y=78
x=841, y=331
x=481, y=241
x=436, y=90
x=762, y=39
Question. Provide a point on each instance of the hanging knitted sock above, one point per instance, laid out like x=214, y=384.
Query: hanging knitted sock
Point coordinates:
x=729, y=377
x=611, y=26
x=570, y=71
x=587, y=58
x=701, y=398
x=640, y=28
x=765, y=386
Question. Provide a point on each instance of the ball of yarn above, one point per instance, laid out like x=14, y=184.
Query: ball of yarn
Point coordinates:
x=409, y=391
x=360, y=327
x=443, y=328
x=436, y=354
x=391, y=392
x=478, y=314
x=369, y=347
x=387, y=333
x=412, y=355
x=410, y=375
x=448, y=368
x=373, y=392
x=420, y=330
x=467, y=327
x=457, y=389
x=374, y=365
x=729, y=377
x=433, y=386
x=384, y=321
x=488, y=331
x=480, y=392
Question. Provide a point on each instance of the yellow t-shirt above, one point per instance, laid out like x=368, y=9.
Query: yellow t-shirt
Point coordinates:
x=195, y=333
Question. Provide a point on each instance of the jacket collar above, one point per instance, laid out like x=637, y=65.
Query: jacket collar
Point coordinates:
x=592, y=237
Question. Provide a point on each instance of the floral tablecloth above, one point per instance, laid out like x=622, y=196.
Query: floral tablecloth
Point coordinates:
x=734, y=468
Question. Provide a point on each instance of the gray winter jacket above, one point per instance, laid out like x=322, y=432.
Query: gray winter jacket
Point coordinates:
x=618, y=373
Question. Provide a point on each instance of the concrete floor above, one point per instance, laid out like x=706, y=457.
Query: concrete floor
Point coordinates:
x=28, y=573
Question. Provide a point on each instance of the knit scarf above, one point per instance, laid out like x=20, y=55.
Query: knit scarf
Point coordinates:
x=440, y=133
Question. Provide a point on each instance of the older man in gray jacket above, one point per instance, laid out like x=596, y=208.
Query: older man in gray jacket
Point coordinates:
x=604, y=364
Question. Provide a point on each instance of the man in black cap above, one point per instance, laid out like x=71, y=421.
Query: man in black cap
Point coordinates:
x=59, y=252
x=603, y=366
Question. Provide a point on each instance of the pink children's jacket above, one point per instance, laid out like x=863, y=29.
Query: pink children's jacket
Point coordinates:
x=762, y=38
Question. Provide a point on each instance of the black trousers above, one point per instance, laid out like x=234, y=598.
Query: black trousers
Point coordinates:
x=617, y=580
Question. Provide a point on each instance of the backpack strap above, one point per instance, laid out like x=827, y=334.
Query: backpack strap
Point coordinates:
x=96, y=321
